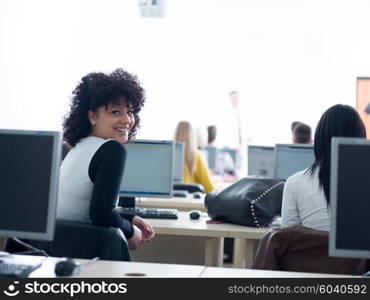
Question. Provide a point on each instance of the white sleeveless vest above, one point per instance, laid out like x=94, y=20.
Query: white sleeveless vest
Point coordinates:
x=75, y=186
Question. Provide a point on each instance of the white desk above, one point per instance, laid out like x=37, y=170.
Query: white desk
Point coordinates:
x=114, y=269
x=211, y=272
x=137, y=269
x=246, y=238
x=174, y=231
x=182, y=204
x=110, y=269
x=185, y=240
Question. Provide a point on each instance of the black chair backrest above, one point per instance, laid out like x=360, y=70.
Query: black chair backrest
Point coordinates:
x=84, y=240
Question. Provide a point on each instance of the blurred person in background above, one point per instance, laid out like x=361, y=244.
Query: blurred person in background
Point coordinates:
x=301, y=133
x=196, y=168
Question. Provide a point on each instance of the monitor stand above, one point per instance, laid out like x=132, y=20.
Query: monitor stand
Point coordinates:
x=126, y=201
x=3, y=253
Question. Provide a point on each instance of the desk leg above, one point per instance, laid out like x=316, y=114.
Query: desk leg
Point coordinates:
x=244, y=252
x=240, y=252
x=214, y=252
x=249, y=253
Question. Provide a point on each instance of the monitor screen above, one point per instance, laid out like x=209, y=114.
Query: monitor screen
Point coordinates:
x=349, y=198
x=291, y=158
x=211, y=155
x=235, y=155
x=261, y=161
x=29, y=176
x=149, y=169
x=178, y=175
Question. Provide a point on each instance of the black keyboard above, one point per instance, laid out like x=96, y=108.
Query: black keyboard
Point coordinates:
x=16, y=270
x=150, y=213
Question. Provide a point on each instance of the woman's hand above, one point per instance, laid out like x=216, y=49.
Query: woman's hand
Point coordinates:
x=147, y=230
x=136, y=240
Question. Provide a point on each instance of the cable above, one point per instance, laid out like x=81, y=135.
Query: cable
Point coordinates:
x=29, y=247
x=4, y=254
x=90, y=261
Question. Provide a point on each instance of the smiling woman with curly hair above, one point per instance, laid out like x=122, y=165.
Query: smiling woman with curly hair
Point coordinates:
x=104, y=115
x=96, y=90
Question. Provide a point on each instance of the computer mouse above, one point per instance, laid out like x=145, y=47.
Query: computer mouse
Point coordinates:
x=66, y=267
x=197, y=195
x=194, y=214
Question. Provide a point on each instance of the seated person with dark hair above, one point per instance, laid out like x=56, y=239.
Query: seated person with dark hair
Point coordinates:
x=294, y=124
x=212, y=132
x=301, y=134
x=224, y=162
x=306, y=196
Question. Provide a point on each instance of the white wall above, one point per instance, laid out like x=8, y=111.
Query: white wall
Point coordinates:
x=290, y=59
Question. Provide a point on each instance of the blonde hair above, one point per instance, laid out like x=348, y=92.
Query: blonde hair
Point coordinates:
x=185, y=133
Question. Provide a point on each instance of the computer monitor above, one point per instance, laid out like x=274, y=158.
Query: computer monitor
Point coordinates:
x=211, y=154
x=29, y=174
x=178, y=175
x=261, y=161
x=291, y=158
x=349, y=198
x=235, y=155
x=149, y=169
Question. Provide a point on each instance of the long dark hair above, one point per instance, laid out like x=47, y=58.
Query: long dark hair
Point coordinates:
x=341, y=121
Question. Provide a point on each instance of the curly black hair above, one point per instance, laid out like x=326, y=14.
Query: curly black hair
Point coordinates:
x=96, y=90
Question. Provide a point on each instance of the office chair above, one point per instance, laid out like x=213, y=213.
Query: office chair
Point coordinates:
x=82, y=240
x=190, y=187
x=302, y=249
